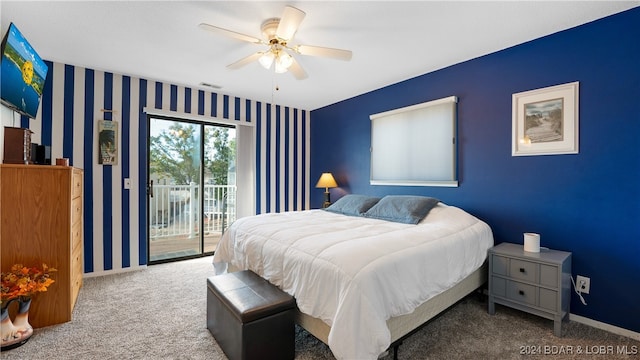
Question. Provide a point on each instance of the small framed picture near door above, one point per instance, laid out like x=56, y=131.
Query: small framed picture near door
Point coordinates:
x=545, y=121
x=107, y=142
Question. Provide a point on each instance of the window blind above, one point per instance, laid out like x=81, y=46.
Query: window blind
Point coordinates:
x=415, y=145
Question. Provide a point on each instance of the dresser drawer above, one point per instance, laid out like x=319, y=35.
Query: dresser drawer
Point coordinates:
x=76, y=284
x=523, y=270
x=76, y=210
x=76, y=261
x=76, y=184
x=76, y=271
x=76, y=236
x=521, y=292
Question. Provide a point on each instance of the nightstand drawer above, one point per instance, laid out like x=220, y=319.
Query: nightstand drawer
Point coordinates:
x=549, y=275
x=523, y=270
x=549, y=299
x=521, y=292
x=500, y=264
x=498, y=286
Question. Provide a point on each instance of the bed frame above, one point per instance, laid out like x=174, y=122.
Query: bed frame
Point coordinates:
x=404, y=325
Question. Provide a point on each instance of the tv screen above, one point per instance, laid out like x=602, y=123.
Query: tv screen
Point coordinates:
x=23, y=74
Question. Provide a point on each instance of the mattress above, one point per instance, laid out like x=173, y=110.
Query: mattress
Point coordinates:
x=355, y=273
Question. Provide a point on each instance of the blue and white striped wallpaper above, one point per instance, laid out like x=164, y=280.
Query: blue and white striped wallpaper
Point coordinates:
x=114, y=219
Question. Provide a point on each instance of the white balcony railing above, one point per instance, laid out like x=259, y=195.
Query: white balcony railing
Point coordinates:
x=174, y=210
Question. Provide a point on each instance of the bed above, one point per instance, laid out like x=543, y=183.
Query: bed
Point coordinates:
x=352, y=268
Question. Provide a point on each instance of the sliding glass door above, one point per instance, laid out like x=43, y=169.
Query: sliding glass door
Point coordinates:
x=191, y=196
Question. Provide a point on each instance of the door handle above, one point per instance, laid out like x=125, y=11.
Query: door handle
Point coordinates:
x=150, y=188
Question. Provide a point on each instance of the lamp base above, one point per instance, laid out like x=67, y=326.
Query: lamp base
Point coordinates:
x=327, y=200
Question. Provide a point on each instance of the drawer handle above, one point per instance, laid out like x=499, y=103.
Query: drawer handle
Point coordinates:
x=522, y=270
x=521, y=292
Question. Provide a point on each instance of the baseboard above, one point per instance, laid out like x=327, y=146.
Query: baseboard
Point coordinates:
x=604, y=326
x=598, y=324
x=111, y=272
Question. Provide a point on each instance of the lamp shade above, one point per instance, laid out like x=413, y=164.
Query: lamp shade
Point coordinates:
x=266, y=59
x=326, y=181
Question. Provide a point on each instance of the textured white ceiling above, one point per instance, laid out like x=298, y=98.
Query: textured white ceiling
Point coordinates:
x=391, y=41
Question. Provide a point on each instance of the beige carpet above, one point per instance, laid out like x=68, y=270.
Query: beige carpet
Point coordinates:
x=159, y=313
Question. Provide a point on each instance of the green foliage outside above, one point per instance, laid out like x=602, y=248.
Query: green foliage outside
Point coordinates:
x=175, y=154
x=221, y=153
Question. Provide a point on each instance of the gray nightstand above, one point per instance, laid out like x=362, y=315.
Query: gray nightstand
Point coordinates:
x=538, y=283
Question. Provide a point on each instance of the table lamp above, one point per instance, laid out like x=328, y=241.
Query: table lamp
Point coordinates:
x=326, y=181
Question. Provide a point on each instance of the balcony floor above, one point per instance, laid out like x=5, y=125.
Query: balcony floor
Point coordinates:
x=180, y=246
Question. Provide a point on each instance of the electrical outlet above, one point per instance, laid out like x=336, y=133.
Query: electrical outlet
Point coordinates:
x=583, y=283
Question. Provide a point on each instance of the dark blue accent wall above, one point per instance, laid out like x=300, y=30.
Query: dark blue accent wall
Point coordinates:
x=586, y=203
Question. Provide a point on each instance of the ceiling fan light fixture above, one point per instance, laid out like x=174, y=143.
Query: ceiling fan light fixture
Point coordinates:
x=277, y=35
x=279, y=69
x=283, y=61
x=266, y=59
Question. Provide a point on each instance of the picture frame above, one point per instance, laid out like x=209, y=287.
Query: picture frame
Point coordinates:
x=107, y=142
x=545, y=121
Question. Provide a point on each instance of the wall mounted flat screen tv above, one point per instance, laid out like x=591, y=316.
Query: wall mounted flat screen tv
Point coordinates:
x=23, y=74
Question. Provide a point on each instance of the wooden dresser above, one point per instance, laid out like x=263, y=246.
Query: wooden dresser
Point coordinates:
x=41, y=222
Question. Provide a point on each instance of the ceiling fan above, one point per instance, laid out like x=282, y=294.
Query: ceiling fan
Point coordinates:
x=277, y=34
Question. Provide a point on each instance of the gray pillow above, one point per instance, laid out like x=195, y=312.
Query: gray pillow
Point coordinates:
x=354, y=205
x=407, y=209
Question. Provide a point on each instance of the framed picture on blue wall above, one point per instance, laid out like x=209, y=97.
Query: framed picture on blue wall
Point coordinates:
x=545, y=121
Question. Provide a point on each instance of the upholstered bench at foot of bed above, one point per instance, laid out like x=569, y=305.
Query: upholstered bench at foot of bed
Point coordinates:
x=249, y=317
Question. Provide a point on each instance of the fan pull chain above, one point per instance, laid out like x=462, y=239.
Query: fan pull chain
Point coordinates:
x=273, y=79
x=274, y=87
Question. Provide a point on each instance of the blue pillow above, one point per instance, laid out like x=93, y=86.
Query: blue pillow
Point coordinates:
x=354, y=205
x=405, y=209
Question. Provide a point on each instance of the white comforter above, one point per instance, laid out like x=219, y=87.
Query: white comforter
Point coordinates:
x=354, y=273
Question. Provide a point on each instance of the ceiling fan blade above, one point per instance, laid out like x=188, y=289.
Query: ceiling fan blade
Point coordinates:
x=324, y=52
x=289, y=22
x=297, y=70
x=244, y=61
x=230, y=33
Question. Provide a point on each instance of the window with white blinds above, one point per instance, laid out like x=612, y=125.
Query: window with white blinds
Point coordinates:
x=415, y=145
